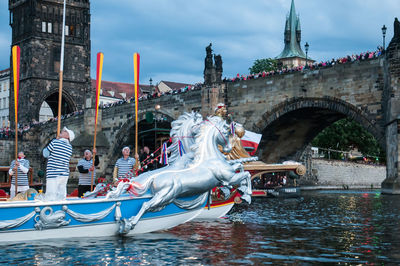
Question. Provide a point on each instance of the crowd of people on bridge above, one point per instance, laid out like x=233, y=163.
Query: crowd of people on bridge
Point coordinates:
x=8, y=132
x=314, y=66
x=154, y=95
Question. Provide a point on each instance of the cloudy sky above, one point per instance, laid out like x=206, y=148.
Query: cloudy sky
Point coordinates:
x=171, y=35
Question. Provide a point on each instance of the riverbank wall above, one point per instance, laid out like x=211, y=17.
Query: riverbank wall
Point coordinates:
x=332, y=174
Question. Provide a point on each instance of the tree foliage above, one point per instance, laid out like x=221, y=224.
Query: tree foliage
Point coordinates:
x=260, y=65
x=345, y=135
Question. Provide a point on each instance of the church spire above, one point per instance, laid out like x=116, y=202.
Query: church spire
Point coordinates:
x=292, y=36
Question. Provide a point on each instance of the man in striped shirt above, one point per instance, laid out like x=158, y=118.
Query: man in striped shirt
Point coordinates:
x=85, y=167
x=21, y=167
x=124, y=165
x=58, y=154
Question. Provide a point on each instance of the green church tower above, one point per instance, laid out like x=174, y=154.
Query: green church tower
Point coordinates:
x=292, y=55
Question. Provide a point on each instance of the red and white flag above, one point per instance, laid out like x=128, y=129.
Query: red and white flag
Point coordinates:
x=250, y=141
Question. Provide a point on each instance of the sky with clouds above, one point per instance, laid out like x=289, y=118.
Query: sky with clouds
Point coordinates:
x=171, y=35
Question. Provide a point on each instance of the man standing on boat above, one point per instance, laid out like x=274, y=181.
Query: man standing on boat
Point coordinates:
x=124, y=165
x=85, y=167
x=58, y=154
x=22, y=168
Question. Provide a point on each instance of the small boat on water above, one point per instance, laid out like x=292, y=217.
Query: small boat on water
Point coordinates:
x=278, y=192
x=272, y=180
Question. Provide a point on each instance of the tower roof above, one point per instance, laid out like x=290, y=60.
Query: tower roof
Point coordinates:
x=292, y=41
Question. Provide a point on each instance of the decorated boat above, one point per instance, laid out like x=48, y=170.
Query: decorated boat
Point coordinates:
x=153, y=201
x=288, y=170
x=35, y=220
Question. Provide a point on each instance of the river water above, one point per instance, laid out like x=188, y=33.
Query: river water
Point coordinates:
x=333, y=227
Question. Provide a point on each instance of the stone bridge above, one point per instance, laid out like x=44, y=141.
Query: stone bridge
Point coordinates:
x=289, y=110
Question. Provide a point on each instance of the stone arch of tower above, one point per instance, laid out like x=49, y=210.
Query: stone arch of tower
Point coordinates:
x=290, y=126
x=51, y=98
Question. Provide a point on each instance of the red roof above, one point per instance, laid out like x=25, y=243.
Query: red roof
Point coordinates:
x=119, y=88
x=175, y=85
x=5, y=72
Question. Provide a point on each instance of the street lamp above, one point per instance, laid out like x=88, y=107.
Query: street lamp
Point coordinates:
x=151, y=86
x=156, y=107
x=384, y=35
x=306, y=46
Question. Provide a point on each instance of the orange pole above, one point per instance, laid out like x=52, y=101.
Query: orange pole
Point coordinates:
x=100, y=57
x=16, y=53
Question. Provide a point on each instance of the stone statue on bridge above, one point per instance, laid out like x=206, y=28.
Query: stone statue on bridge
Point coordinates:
x=218, y=63
x=212, y=68
x=209, y=60
x=396, y=35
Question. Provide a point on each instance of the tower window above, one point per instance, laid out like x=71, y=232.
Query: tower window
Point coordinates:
x=55, y=28
x=43, y=26
x=49, y=27
x=56, y=59
x=66, y=30
x=71, y=30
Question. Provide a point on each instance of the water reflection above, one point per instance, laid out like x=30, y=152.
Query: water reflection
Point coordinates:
x=335, y=227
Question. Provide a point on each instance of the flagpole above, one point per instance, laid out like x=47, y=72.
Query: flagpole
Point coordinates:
x=136, y=65
x=61, y=73
x=16, y=54
x=100, y=57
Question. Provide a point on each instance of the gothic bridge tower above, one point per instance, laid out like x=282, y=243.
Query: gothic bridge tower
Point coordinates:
x=37, y=29
x=292, y=54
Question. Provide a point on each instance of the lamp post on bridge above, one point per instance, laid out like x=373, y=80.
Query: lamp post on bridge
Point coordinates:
x=156, y=107
x=306, y=46
x=384, y=35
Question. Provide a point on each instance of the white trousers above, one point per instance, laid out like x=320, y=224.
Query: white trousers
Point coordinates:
x=56, y=188
x=20, y=189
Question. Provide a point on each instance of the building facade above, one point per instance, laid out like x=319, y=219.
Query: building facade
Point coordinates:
x=4, y=97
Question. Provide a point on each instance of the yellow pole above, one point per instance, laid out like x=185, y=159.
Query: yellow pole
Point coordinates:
x=16, y=54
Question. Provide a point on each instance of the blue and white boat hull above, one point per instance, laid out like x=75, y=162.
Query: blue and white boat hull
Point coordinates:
x=35, y=220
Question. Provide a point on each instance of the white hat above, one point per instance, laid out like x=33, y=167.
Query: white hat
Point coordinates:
x=219, y=106
x=70, y=133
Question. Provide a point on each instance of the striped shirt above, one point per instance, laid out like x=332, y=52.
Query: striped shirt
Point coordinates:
x=58, y=160
x=22, y=177
x=86, y=178
x=124, y=166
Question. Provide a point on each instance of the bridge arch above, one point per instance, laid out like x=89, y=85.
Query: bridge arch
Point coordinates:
x=291, y=125
x=125, y=135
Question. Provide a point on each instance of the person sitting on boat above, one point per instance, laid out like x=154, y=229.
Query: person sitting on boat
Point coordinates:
x=125, y=164
x=21, y=167
x=85, y=168
x=58, y=154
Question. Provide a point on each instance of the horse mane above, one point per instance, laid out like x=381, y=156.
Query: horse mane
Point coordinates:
x=217, y=122
x=178, y=128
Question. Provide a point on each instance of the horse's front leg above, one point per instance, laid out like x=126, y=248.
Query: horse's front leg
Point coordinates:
x=158, y=200
x=237, y=167
x=237, y=178
x=245, y=189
